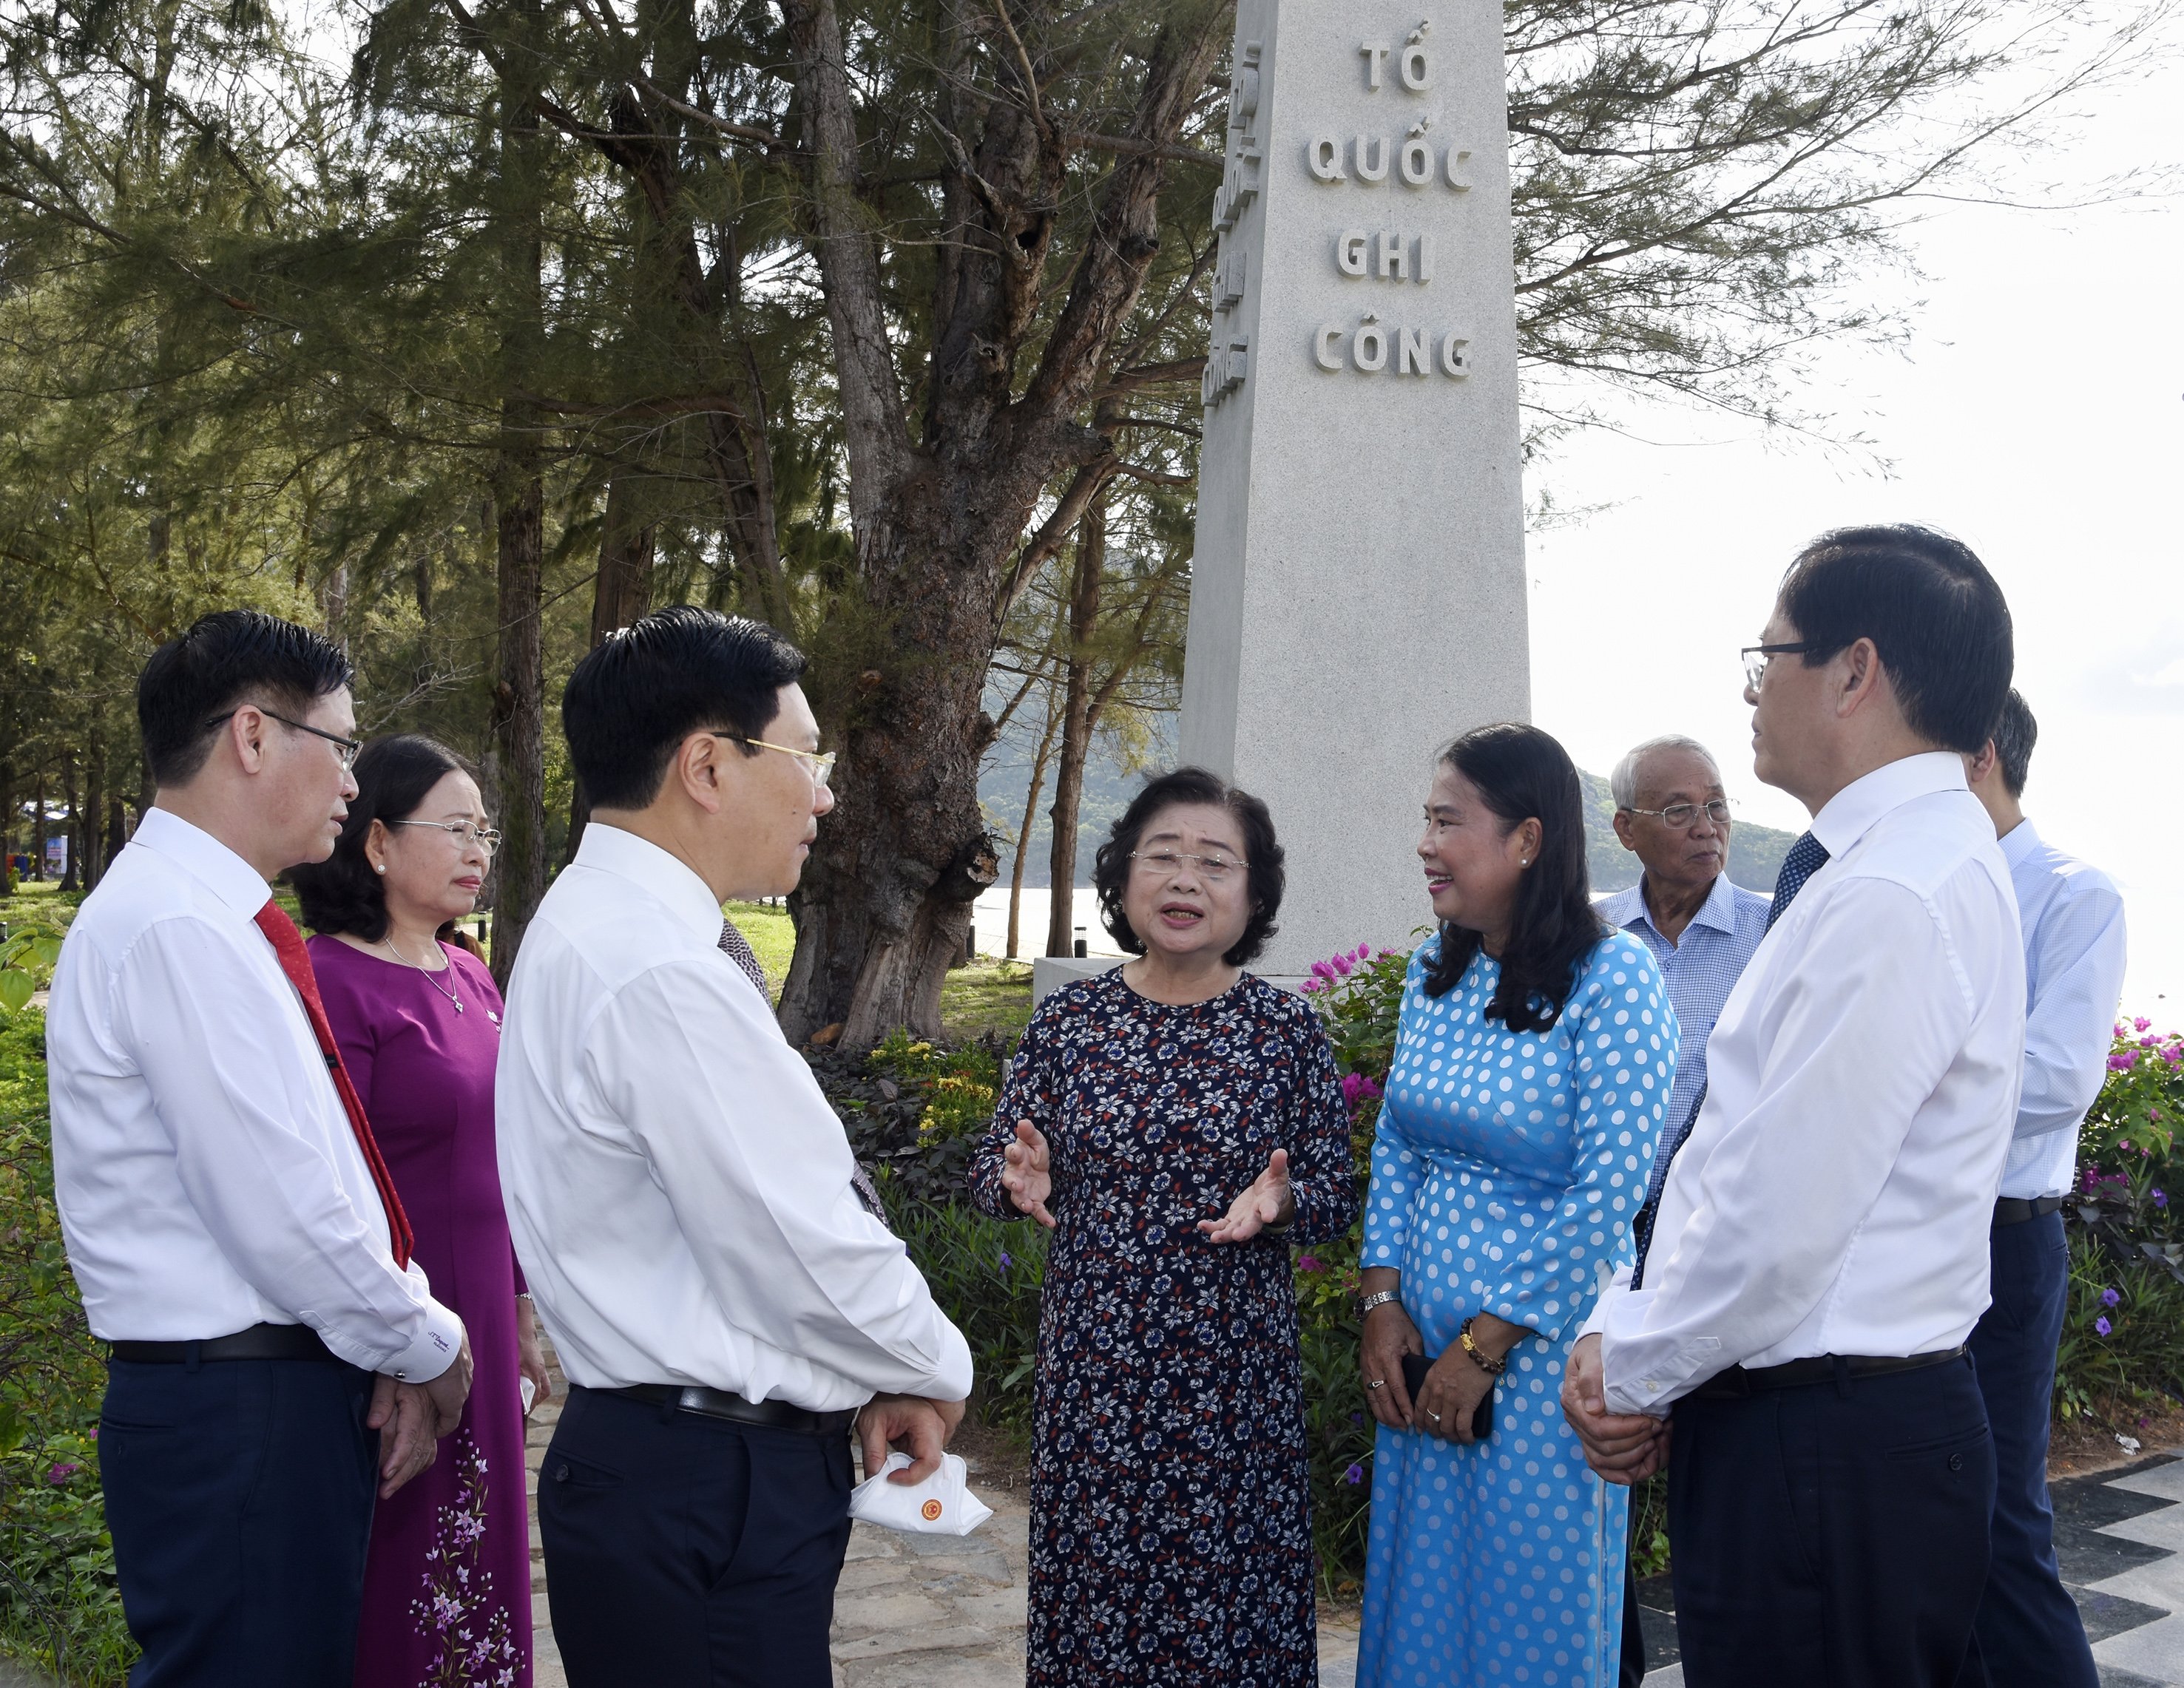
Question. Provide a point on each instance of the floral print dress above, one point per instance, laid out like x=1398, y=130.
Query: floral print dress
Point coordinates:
x=1171, y=1526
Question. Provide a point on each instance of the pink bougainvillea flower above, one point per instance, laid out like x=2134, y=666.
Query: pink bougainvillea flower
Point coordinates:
x=1307, y=1263
x=60, y=1474
x=2140, y=1025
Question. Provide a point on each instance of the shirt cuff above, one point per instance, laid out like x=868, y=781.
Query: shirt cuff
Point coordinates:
x=435, y=1348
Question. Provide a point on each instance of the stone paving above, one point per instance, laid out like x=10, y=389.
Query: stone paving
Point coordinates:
x=947, y=1611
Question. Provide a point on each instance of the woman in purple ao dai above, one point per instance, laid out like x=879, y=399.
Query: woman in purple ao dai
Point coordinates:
x=446, y=1590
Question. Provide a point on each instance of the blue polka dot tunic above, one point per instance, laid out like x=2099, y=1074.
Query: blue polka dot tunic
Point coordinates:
x=1506, y=1172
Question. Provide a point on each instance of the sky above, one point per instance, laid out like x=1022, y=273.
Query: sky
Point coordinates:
x=2037, y=412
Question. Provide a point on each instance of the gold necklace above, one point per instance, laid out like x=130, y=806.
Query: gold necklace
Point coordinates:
x=431, y=978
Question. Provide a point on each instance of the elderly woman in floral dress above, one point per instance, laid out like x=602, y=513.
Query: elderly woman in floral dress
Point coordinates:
x=1177, y=1122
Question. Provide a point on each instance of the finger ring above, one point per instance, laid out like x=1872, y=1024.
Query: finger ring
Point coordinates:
x=1378, y=1383
x=1435, y=1417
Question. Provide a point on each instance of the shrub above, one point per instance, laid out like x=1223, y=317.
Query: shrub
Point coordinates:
x=59, y=1606
x=987, y=1274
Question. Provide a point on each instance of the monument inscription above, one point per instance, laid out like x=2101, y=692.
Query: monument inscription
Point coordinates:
x=1358, y=585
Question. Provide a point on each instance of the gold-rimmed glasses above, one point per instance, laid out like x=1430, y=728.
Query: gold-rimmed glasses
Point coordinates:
x=819, y=763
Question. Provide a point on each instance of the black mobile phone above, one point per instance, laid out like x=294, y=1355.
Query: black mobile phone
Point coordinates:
x=1415, y=1367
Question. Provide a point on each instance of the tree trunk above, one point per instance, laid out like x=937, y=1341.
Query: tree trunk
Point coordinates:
x=621, y=591
x=88, y=834
x=7, y=817
x=72, y=875
x=38, y=831
x=1076, y=726
x=519, y=701
x=519, y=696
x=1023, y=830
x=886, y=901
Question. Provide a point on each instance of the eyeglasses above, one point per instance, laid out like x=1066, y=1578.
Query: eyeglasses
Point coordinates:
x=1755, y=658
x=347, y=749
x=819, y=763
x=1678, y=816
x=466, y=832
x=1165, y=862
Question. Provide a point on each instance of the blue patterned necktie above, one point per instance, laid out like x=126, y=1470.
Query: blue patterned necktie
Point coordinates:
x=1806, y=857
x=737, y=947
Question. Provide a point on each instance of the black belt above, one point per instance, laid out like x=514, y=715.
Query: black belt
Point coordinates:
x=2015, y=1210
x=259, y=1343
x=722, y=1403
x=1740, y=1383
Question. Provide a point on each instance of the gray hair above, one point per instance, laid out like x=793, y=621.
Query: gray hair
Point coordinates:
x=1624, y=782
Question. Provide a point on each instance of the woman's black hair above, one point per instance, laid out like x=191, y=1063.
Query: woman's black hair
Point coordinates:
x=1523, y=773
x=393, y=776
x=1111, y=869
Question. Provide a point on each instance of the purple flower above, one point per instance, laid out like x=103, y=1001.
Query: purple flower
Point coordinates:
x=2122, y=1062
x=1309, y=1263
x=1005, y=1262
x=2103, y=1327
x=2141, y=1024
x=60, y=1474
x=2109, y=1297
x=2161, y=1198
x=1354, y=1475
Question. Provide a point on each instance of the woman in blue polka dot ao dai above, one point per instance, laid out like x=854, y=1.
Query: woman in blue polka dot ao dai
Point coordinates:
x=1508, y=1168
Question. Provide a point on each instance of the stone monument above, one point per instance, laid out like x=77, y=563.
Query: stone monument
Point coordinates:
x=1358, y=593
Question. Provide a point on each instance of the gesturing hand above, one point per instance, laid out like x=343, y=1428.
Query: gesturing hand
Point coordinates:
x=1025, y=1174
x=1267, y=1201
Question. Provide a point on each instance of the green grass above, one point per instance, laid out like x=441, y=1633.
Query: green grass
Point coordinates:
x=986, y=996
x=771, y=934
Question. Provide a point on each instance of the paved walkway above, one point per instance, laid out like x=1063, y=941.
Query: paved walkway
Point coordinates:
x=947, y=1611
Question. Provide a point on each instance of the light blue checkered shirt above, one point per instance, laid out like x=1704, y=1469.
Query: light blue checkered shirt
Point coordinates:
x=1701, y=971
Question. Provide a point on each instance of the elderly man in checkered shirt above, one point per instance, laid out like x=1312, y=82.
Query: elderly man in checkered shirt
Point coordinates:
x=1671, y=812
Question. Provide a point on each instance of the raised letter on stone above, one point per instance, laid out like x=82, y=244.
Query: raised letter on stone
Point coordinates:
x=1325, y=342
x=1378, y=169
x=1456, y=162
x=1417, y=163
x=1425, y=259
x=1324, y=156
x=1369, y=350
x=1417, y=70
x=1395, y=258
x=1414, y=356
x=1349, y=249
x=1452, y=360
x=1374, y=56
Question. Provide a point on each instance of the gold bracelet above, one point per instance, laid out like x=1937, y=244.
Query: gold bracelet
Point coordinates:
x=1492, y=1367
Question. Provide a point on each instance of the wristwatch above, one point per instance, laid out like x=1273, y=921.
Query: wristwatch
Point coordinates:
x=1378, y=1298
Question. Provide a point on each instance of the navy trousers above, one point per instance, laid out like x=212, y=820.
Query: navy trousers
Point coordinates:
x=239, y=1494
x=1833, y=1535
x=2028, y=1635
x=690, y=1551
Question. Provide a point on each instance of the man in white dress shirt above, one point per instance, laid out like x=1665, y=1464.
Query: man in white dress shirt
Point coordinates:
x=1820, y=1256
x=2028, y=1635
x=683, y=1199
x=226, y=1214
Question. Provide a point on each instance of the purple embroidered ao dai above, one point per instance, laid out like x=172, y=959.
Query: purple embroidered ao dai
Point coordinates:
x=447, y=1588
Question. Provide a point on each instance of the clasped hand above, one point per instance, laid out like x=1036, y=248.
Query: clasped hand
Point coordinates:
x=420, y=1413
x=1621, y=1448
x=1454, y=1385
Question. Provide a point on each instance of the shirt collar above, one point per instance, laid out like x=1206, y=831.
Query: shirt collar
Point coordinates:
x=645, y=864
x=233, y=880
x=2020, y=842
x=1853, y=811
x=1628, y=908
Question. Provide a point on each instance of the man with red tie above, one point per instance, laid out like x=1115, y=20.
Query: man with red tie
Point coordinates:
x=276, y=1356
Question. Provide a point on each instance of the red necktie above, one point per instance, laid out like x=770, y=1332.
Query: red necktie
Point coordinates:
x=296, y=962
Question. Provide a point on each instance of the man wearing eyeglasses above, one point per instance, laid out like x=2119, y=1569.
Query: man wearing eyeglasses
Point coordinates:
x=690, y=1221
x=1672, y=813
x=1793, y=1342
x=230, y=1223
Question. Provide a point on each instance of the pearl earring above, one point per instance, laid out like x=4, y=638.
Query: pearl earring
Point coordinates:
x=379, y=867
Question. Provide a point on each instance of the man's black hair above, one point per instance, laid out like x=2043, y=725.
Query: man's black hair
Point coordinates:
x=1931, y=609
x=666, y=675
x=2015, y=733
x=233, y=657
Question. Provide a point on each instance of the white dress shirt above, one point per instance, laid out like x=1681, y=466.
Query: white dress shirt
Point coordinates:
x=2073, y=969
x=207, y=1174
x=677, y=1186
x=1836, y=1194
